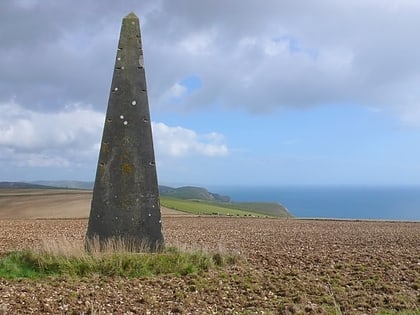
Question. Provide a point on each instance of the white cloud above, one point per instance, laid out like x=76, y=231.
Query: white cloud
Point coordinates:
x=56, y=139
x=24, y=129
x=250, y=56
x=274, y=47
x=262, y=57
x=174, y=93
x=71, y=137
x=199, y=43
x=41, y=160
x=46, y=158
x=410, y=115
x=180, y=142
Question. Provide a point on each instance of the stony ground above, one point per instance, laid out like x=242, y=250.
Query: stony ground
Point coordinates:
x=286, y=267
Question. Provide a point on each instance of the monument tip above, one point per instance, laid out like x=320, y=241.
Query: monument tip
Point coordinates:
x=131, y=15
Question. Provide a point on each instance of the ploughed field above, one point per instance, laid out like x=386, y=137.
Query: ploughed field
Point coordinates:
x=286, y=266
x=49, y=203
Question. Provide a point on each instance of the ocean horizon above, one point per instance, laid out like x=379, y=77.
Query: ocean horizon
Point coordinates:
x=335, y=202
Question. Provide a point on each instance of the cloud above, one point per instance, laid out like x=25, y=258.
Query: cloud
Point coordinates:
x=10, y=157
x=40, y=160
x=261, y=57
x=24, y=130
x=199, y=43
x=49, y=138
x=250, y=56
x=175, y=93
x=181, y=142
x=410, y=115
x=71, y=137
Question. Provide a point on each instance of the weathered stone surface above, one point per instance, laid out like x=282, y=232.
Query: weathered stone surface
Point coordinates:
x=125, y=202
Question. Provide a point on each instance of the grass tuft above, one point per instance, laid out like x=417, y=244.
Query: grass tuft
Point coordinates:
x=67, y=259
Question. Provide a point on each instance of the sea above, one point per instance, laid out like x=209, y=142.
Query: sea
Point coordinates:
x=339, y=202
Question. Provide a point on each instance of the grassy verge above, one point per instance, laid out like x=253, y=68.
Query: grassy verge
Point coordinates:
x=47, y=263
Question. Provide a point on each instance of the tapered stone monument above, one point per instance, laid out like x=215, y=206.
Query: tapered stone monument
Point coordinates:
x=125, y=205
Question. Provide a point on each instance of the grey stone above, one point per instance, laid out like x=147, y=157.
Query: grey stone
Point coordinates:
x=125, y=205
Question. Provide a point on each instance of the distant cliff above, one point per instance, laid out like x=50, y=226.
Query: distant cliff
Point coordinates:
x=191, y=192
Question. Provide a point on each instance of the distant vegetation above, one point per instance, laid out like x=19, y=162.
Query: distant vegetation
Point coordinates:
x=73, y=184
x=199, y=201
x=243, y=209
x=21, y=185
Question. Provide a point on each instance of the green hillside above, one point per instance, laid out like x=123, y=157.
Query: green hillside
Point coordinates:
x=243, y=209
x=191, y=192
x=199, y=200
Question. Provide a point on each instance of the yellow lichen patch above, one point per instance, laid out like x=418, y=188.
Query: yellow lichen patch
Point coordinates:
x=127, y=168
x=105, y=147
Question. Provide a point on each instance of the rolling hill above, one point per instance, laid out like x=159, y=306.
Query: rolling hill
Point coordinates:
x=23, y=185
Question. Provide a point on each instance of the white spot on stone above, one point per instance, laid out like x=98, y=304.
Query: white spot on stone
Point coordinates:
x=160, y=221
x=122, y=68
x=119, y=58
x=125, y=122
x=116, y=89
x=150, y=214
x=122, y=117
x=133, y=103
x=133, y=22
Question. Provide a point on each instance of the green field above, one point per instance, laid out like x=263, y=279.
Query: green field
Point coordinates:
x=200, y=207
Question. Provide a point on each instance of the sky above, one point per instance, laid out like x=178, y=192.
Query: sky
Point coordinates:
x=241, y=92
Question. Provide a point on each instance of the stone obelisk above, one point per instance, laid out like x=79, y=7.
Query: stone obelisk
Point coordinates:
x=125, y=205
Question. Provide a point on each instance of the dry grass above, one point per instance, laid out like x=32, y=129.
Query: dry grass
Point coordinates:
x=62, y=246
x=110, y=259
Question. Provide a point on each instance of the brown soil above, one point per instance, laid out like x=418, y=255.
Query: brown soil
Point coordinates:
x=286, y=267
